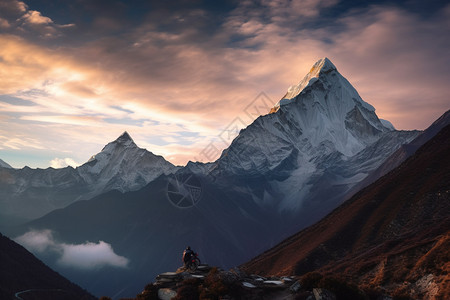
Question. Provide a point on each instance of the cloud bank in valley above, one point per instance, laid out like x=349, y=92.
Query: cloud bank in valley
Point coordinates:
x=84, y=256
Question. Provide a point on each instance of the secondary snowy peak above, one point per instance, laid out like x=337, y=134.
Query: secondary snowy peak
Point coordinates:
x=124, y=166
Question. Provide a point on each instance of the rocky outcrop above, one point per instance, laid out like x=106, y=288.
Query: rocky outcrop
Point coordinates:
x=214, y=282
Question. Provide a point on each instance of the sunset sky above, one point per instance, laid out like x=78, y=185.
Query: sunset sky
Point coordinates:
x=178, y=76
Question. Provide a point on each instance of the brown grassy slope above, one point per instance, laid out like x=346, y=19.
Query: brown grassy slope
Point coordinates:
x=395, y=229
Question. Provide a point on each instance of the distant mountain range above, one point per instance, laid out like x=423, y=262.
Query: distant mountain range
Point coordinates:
x=23, y=275
x=283, y=172
x=31, y=193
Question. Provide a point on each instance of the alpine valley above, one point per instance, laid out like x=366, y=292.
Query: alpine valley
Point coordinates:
x=316, y=147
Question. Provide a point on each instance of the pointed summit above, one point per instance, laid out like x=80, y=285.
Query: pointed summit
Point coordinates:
x=323, y=65
x=122, y=142
x=124, y=138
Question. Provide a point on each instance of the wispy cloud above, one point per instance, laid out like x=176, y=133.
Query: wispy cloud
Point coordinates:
x=36, y=241
x=85, y=256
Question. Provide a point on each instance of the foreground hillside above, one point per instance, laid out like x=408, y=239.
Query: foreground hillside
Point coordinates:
x=394, y=234
x=23, y=275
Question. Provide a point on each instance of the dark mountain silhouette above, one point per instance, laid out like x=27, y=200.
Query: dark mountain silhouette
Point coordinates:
x=395, y=233
x=21, y=271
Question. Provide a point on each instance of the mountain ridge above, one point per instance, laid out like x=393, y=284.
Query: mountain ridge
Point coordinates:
x=121, y=165
x=401, y=218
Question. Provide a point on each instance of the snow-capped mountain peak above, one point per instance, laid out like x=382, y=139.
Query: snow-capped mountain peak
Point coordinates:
x=118, y=145
x=124, y=166
x=328, y=108
x=124, y=139
x=323, y=65
x=320, y=125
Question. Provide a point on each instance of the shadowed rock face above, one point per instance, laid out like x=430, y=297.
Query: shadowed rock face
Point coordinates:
x=395, y=230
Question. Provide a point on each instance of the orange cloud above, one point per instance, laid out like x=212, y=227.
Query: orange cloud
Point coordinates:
x=35, y=17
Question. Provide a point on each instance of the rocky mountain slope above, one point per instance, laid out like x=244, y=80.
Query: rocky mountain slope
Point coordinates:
x=121, y=165
x=23, y=275
x=394, y=234
x=305, y=157
x=405, y=151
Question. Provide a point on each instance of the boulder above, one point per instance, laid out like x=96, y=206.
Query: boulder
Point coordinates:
x=295, y=287
x=323, y=294
x=166, y=294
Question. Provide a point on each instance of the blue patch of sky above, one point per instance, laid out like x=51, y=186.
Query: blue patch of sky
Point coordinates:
x=16, y=101
x=122, y=109
x=188, y=134
x=183, y=138
x=34, y=93
x=158, y=140
x=126, y=121
x=33, y=159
